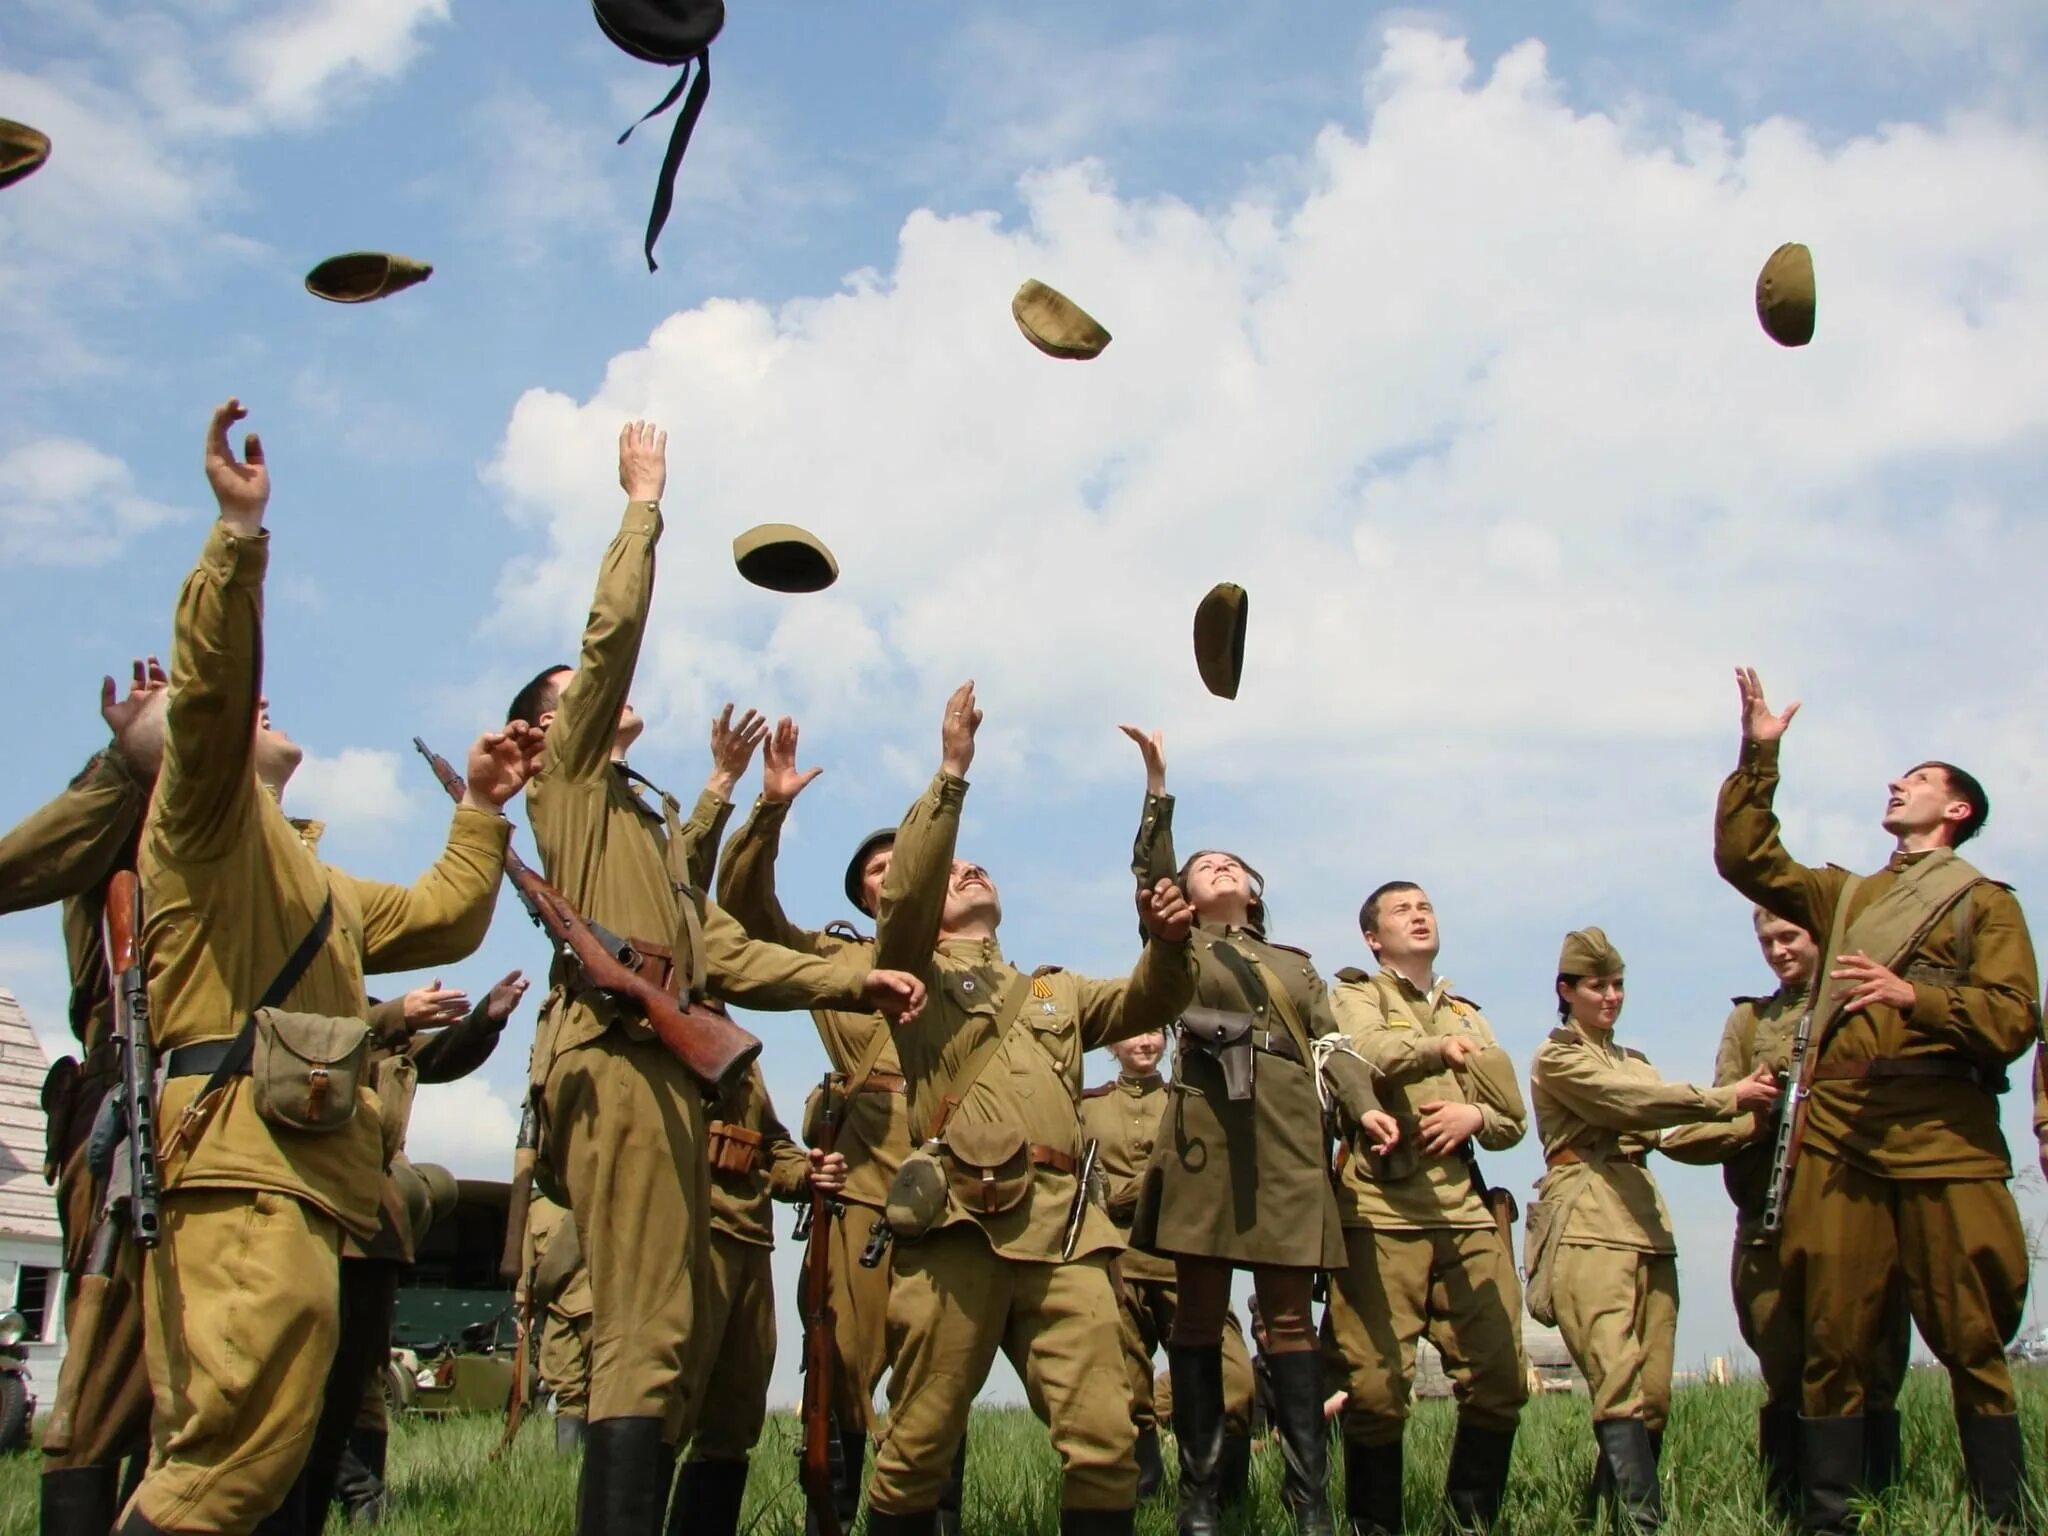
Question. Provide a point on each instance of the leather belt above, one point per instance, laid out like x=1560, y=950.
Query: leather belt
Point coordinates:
x=1567, y=1156
x=885, y=1082
x=655, y=963
x=1277, y=1042
x=1051, y=1157
x=1947, y=1068
x=200, y=1059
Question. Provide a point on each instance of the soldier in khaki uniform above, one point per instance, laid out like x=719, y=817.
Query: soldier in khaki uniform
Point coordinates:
x=1239, y=1177
x=241, y=1299
x=1760, y=1032
x=1600, y=1241
x=622, y=1121
x=1426, y=1254
x=68, y=851
x=563, y=1357
x=994, y=1070
x=1122, y=1118
x=1931, y=993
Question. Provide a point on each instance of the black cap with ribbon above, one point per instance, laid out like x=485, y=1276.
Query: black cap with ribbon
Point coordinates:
x=667, y=32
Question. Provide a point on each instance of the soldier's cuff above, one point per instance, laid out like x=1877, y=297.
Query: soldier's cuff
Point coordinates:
x=949, y=791
x=768, y=815
x=642, y=518
x=236, y=559
x=474, y=827
x=1721, y=1101
x=1760, y=757
x=1930, y=1004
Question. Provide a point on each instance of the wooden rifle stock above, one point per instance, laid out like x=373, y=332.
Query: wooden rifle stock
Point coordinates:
x=820, y=1444
x=712, y=1048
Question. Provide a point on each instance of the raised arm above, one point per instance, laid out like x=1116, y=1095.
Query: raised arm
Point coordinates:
x=1747, y=849
x=746, y=872
x=67, y=846
x=1152, y=857
x=913, y=901
x=209, y=777
x=1161, y=985
x=587, y=719
x=732, y=747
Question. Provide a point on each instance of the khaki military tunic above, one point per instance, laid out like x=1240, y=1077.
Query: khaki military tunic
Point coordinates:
x=603, y=1080
x=1900, y=1177
x=1599, y=1107
x=241, y=1297
x=874, y=1132
x=1424, y=1255
x=979, y=1282
x=68, y=851
x=1122, y=1118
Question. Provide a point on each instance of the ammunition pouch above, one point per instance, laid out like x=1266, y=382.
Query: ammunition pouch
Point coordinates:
x=988, y=1167
x=306, y=1068
x=60, y=1104
x=1226, y=1039
x=732, y=1149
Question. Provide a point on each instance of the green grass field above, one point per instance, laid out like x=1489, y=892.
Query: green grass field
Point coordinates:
x=442, y=1485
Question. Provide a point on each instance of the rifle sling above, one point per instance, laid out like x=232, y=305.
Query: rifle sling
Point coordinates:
x=227, y=1059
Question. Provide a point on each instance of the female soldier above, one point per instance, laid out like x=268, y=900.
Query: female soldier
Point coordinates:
x=1239, y=1174
x=1601, y=1250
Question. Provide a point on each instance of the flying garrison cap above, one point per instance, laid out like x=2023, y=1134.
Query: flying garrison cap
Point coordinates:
x=666, y=32
x=1219, y=638
x=1055, y=324
x=361, y=276
x=22, y=151
x=784, y=558
x=1785, y=300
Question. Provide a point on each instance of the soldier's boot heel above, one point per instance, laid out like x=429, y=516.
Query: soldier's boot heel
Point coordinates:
x=1631, y=1460
x=1478, y=1477
x=708, y=1498
x=924, y=1522
x=569, y=1429
x=1831, y=1460
x=1096, y=1522
x=1881, y=1450
x=359, y=1481
x=1372, y=1488
x=79, y=1501
x=1151, y=1468
x=623, y=1490
x=954, y=1494
x=1197, y=1373
x=1995, y=1465
x=1304, y=1439
x=1777, y=1454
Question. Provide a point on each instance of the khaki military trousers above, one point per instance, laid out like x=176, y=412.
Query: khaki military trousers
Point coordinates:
x=241, y=1312
x=1854, y=1242
x=624, y=1135
x=564, y=1361
x=1771, y=1326
x=860, y=1318
x=1145, y=1311
x=1617, y=1309
x=954, y=1303
x=1456, y=1286
x=738, y=1321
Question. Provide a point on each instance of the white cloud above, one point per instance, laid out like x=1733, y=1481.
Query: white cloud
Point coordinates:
x=357, y=788
x=64, y=502
x=467, y=1126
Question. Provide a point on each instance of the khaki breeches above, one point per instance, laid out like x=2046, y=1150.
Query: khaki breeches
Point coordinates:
x=624, y=1134
x=105, y=1387
x=1145, y=1311
x=1772, y=1328
x=1854, y=1243
x=241, y=1312
x=739, y=1327
x=1455, y=1286
x=860, y=1318
x=954, y=1303
x=1617, y=1309
x=564, y=1362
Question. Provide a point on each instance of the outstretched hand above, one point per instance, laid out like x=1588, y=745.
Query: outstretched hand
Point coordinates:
x=1165, y=913
x=241, y=487
x=1154, y=749
x=897, y=995
x=432, y=1005
x=956, y=733
x=500, y=762
x=780, y=778
x=1759, y=1090
x=504, y=997
x=137, y=721
x=732, y=748
x=643, y=461
x=1758, y=723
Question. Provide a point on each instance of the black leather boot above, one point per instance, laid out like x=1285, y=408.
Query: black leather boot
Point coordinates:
x=1372, y=1488
x=1096, y=1522
x=1830, y=1473
x=136, y=1525
x=289, y=1518
x=78, y=1501
x=1304, y=1439
x=1631, y=1461
x=1234, y=1472
x=359, y=1482
x=1198, y=1426
x=924, y=1523
x=623, y=1490
x=1881, y=1456
x=1478, y=1475
x=708, y=1499
x=954, y=1493
x=569, y=1428
x=1777, y=1453
x=1151, y=1470
x=1995, y=1466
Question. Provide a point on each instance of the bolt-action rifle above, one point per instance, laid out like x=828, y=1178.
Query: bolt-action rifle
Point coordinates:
x=820, y=1455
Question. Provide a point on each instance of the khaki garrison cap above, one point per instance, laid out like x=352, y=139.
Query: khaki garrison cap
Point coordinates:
x=361, y=276
x=1785, y=300
x=1219, y=638
x=1055, y=324
x=784, y=558
x=1586, y=952
x=22, y=151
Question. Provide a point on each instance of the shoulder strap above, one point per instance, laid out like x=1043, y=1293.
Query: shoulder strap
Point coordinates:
x=239, y=1055
x=1006, y=1019
x=864, y=1068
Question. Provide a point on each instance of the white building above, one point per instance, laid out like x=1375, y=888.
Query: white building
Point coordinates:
x=31, y=1245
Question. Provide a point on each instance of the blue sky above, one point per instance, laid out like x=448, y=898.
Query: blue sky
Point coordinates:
x=1433, y=329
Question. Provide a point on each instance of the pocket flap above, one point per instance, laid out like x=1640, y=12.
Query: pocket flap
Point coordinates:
x=317, y=1039
x=1215, y=1027
x=984, y=1146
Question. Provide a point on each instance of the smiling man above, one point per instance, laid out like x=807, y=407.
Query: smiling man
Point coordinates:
x=1929, y=992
